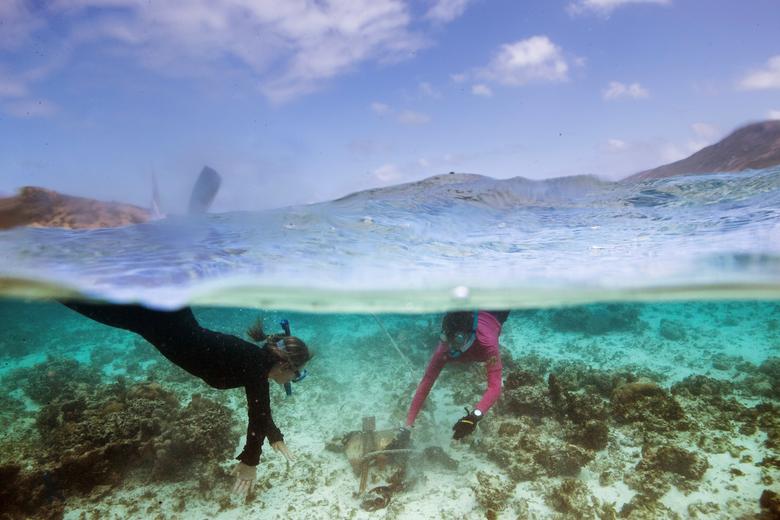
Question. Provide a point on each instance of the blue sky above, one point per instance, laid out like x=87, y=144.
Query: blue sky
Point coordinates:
x=307, y=100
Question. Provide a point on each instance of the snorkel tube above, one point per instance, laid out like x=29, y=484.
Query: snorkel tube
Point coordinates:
x=300, y=375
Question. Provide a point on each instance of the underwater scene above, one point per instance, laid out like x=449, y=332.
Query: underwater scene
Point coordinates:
x=620, y=410
x=460, y=347
x=389, y=259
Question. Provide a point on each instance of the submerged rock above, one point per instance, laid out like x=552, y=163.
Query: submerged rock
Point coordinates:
x=702, y=386
x=532, y=401
x=666, y=466
x=642, y=507
x=672, y=330
x=596, y=319
x=593, y=435
x=572, y=499
x=492, y=493
x=96, y=436
x=674, y=460
x=54, y=380
x=560, y=459
x=770, y=504
x=648, y=404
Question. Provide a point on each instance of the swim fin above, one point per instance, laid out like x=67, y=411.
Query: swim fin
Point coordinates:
x=204, y=191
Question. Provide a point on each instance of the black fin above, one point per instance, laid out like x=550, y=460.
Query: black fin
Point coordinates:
x=204, y=191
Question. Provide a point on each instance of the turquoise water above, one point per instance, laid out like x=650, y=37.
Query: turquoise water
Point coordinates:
x=702, y=441
x=641, y=359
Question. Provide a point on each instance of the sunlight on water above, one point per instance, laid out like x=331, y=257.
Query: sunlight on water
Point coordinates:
x=514, y=243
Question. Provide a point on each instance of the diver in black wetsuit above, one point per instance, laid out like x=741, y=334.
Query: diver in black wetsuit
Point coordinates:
x=222, y=361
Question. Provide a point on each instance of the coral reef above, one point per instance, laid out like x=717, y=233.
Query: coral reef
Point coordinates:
x=672, y=330
x=572, y=499
x=649, y=424
x=771, y=369
x=93, y=435
x=649, y=405
x=770, y=504
x=492, y=493
x=53, y=380
x=595, y=319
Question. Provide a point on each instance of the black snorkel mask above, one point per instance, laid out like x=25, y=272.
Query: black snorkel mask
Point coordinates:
x=300, y=375
x=462, y=340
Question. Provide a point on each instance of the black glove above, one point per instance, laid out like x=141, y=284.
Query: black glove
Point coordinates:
x=465, y=425
x=401, y=440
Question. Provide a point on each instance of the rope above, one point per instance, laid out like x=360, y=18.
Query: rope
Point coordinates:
x=392, y=341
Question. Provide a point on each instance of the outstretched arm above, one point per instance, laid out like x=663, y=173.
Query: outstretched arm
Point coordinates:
x=260, y=424
x=494, y=369
x=437, y=362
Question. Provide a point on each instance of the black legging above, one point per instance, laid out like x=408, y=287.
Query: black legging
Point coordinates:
x=221, y=360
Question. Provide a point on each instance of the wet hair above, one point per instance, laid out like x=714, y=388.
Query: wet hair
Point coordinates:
x=255, y=331
x=295, y=352
x=457, y=321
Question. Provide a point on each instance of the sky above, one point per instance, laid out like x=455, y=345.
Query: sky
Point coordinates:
x=304, y=101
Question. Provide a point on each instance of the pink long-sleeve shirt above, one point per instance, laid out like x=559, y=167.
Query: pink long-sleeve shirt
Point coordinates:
x=484, y=349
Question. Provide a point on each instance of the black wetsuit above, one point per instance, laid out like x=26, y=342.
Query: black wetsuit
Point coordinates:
x=221, y=360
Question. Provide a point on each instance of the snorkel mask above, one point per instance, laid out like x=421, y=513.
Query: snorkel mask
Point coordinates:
x=461, y=341
x=300, y=375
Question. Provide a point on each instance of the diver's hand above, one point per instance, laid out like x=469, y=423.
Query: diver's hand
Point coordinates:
x=401, y=440
x=281, y=447
x=465, y=425
x=245, y=479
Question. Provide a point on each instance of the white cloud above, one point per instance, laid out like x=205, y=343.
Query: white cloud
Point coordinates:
x=458, y=78
x=445, y=11
x=11, y=87
x=773, y=114
x=536, y=59
x=705, y=135
x=16, y=87
x=380, y=108
x=428, y=90
x=410, y=117
x=289, y=47
x=671, y=152
x=17, y=23
x=405, y=117
x=605, y=7
x=480, y=89
x=618, y=157
x=617, y=90
x=768, y=77
x=387, y=173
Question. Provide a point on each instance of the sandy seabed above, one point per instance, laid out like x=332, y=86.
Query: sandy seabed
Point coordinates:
x=669, y=412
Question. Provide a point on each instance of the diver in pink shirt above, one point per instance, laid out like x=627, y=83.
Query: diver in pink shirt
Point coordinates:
x=467, y=337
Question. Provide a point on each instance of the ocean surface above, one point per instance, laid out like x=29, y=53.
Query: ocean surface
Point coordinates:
x=641, y=357
x=444, y=242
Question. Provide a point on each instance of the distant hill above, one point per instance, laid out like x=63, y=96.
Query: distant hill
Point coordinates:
x=39, y=207
x=753, y=146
